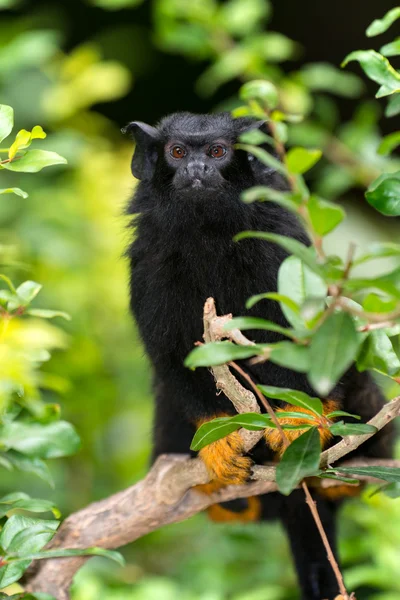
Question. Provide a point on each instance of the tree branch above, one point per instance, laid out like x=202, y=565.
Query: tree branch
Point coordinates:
x=165, y=496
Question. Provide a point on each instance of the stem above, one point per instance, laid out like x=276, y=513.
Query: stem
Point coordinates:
x=262, y=399
x=331, y=557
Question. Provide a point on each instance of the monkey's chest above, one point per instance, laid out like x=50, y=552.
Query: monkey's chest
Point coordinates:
x=175, y=288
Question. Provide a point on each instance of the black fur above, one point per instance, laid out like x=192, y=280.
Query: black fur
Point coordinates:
x=188, y=210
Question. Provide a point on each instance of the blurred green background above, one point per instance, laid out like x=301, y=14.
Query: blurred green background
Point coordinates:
x=84, y=68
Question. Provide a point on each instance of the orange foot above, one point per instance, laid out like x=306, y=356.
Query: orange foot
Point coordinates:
x=274, y=439
x=225, y=461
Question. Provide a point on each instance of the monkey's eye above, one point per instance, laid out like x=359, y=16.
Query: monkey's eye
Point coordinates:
x=217, y=151
x=177, y=152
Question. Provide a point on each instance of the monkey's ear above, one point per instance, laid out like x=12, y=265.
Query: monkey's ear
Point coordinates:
x=144, y=159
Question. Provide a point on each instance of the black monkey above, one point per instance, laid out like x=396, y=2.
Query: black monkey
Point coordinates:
x=188, y=209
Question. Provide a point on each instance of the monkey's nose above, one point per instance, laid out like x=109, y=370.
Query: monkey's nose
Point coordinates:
x=196, y=170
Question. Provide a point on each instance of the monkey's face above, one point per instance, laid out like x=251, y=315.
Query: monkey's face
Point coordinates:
x=193, y=155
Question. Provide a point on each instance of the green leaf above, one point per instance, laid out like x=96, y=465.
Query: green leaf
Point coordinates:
x=6, y=121
x=390, y=474
x=384, y=194
x=378, y=250
x=219, y=353
x=324, y=216
x=221, y=427
x=24, y=139
x=377, y=68
x=44, y=313
x=245, y=323
x=19, y=525
x=297, y=282
x=263, y=193
x=16, y=191
x=393, y=106
x=341, y=413
x=256, y=137
x=23, y=501
x=300, y=160
x=263, y=156
x=333, y=348
x=389, y=143
x=27, y=291
x=332, y=475
x=12, y=573
x=295, y=397
x=341, y=428
x=292, y=356
x=52, y=440
x=378, y=353
x=261, y=90
x=375, y=303
x=381, y=25
x=300, y=459
x=295, y=415
x=391, y=49
x=388, y=283
x=284, y=300
x=291, y=246
x=68, y=552
x=36, y=466
x=34, y=160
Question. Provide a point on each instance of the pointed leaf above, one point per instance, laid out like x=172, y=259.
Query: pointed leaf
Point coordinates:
x=14, y=190
x=300, y=160
x=333, y=348
x=6, y=121
x=52, y=440
x=377, y=68
x=27, y=291
x=219, y=353
x=324, y=216
x=285, y=300
x=298, y=282
x=341, y=428
x=294, y=397
x=34, y=160
x=390, y=474
x=290, y=355
x=300, y=459
x=381, y=25
x=245, y=323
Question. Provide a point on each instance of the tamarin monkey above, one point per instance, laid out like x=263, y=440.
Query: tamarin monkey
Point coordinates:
x=187, y=209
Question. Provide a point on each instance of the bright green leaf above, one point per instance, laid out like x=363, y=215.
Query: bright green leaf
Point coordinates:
x=16, y=191
x=377, y=68
x=34, y=160
x=389, y=143
x=300, y=160
x=6, y=121
x=221, y=427
x=381, y=25
x=391, y=49
x=27, y=291
x=341, y=413
x=44, y=313
x=324, y=216
x=264, y=157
